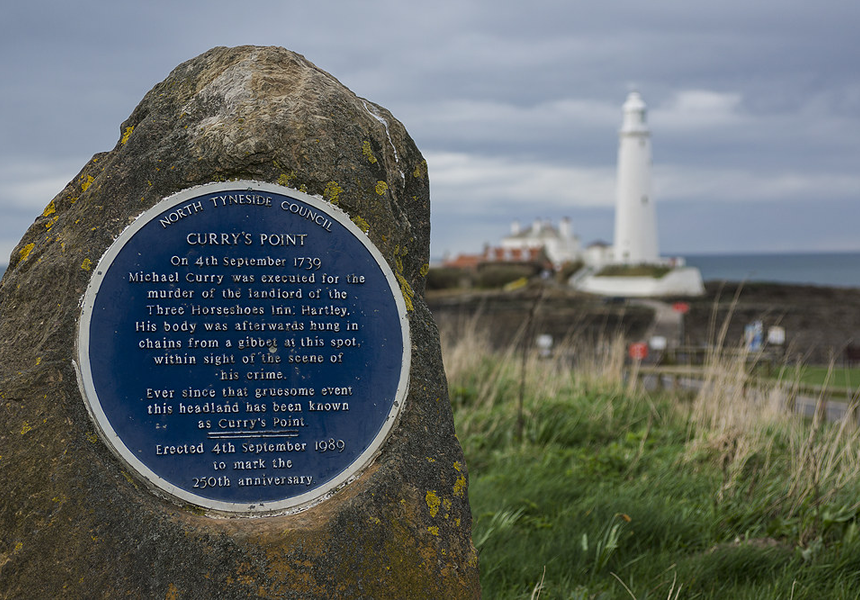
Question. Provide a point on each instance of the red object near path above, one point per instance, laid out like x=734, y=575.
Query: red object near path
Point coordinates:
x=681, y=307
x=638, y=351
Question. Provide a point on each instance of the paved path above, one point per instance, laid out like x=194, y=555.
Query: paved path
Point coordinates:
x=806, y=405
x=667, y=322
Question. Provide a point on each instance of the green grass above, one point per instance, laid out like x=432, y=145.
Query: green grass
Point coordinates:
x=655, y=271
x=838, y=377
x=616, y=493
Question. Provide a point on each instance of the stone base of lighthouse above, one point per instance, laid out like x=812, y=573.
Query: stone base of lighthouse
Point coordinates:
x=679, y=281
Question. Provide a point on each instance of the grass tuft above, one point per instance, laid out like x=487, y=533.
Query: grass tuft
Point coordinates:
x=612, y=491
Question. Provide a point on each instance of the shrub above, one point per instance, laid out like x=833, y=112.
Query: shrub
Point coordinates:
x=496, y=276
x=445, y=278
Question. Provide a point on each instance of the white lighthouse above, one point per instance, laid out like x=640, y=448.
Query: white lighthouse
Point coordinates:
x=635, y=218
x=635, y=241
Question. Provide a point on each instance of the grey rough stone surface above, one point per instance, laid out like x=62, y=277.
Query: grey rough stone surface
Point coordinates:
x=73, y=522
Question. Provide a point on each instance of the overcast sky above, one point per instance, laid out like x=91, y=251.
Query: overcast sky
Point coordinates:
x=754, y=106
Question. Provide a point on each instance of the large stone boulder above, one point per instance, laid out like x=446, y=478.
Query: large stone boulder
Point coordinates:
x=74, y=522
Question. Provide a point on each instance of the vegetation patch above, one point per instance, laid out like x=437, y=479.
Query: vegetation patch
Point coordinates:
x=655, y=271
x=447, y=278
x=583, y=486
x=812, y=375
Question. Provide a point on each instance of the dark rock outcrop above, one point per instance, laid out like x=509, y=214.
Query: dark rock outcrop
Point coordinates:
x=73, y=522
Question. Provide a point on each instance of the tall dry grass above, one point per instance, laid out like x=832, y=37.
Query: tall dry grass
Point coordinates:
x=467, y=351
x=745, y=425
x=613, y=485
x=503, y=390
x=751, y=428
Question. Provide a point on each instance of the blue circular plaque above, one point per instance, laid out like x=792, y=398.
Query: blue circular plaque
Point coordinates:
x=244, y=348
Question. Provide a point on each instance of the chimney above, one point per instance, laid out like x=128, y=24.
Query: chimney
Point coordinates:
x=564, y=227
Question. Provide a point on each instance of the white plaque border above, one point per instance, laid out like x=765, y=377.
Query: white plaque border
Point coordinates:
x=154, y=481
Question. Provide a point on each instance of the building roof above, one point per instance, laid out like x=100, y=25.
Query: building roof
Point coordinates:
x=545, y=231
x=495, y=255
x=464, y=261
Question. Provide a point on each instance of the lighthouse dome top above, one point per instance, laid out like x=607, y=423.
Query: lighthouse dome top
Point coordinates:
x=634, y=114
x=634, y=102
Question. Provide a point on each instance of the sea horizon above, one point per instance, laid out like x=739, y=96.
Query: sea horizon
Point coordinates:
x=829, y=269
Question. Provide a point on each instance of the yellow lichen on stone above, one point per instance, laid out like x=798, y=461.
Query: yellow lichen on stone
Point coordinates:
x=381, y=187
x=18, y=547
x=434, y=530
x=38, y=361
x=50, y=223
x=172, y=592
x=362, y=224
x=460, y=486
x=368, y=152
x=420, y=169
x=473, y=558
x=50, y=209
x=405, y=288
x=407, y=291
x=332, y=192
x=25, y=251
x=425, y=268
x=87, y=264
x=433, y=502
x=26, y=428
x=126, y=135
x=86, y=182
x=92, y=437
x=285, y=179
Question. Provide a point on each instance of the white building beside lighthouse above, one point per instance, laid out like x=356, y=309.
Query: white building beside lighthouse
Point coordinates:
x=635, y=217
x=636, y=268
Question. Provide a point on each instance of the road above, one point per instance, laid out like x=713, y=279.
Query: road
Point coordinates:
x=668, y=323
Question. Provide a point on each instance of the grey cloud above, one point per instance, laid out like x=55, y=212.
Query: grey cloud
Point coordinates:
x=751, y=104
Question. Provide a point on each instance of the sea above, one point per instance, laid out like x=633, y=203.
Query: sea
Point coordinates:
x=828, y=269
x=832, y=269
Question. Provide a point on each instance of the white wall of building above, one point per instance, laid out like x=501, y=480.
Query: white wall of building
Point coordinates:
x=686, y=281
x=561, y=245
